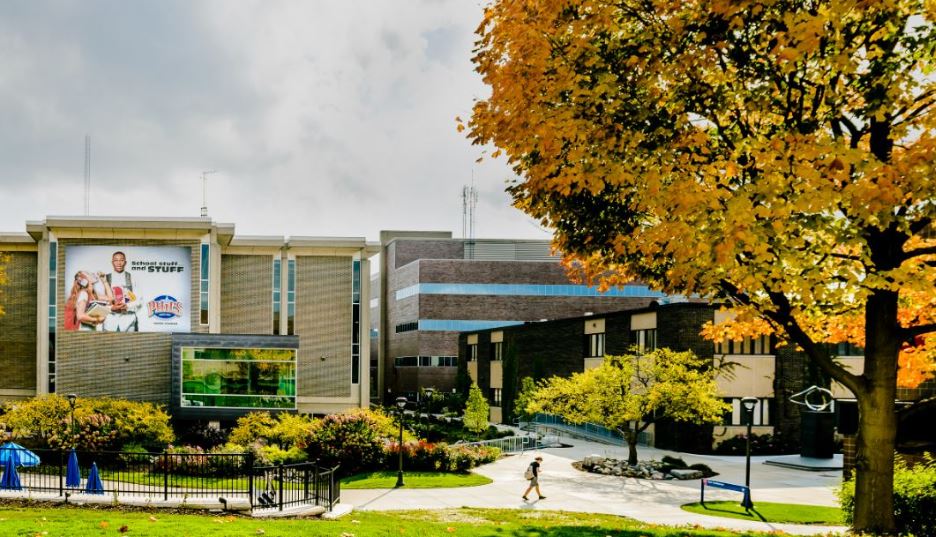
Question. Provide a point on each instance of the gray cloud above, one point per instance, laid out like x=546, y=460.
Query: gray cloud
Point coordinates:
x=324, y=118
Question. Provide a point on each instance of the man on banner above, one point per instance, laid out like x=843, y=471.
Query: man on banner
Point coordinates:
x=123, y=316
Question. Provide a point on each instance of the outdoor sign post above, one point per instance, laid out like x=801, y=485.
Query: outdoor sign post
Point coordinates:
x=745, y=501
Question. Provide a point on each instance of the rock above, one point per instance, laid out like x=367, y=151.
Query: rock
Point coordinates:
x=680, y=473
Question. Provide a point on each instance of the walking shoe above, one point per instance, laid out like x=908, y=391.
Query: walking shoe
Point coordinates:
x=542, y=497
x=525, y=499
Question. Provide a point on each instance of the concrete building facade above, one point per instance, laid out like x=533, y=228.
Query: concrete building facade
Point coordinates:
x=431, y=287
x=300, y=295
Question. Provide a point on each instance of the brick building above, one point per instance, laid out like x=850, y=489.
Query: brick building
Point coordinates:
x=209, y=323
x=497, y=359
x=431, y=287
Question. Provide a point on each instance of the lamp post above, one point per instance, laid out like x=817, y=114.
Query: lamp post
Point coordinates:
x=72, y=399
x=401, y=403
x=428, y=392
x=748, y=404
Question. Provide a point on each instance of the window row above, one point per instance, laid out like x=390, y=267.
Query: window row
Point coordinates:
x=426, y=361
x=763, y=409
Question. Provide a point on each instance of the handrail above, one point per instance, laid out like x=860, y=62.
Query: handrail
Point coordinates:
x=590, y=431
x=510, y=444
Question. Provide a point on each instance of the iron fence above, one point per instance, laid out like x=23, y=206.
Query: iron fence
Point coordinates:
x=166, y=475
x=510, y=444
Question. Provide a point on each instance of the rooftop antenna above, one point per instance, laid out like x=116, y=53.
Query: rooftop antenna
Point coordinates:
x=87, y=174
x=469, y=207
x=204, y=180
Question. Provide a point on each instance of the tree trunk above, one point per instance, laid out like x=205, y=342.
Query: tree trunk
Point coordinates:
x=877, y=424
x=874, y=476
x=631, y=437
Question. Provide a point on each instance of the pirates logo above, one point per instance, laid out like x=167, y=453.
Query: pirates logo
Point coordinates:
x=164, y=307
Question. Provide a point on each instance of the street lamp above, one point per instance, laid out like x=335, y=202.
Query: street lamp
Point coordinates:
x=401, y=403
x=72, y=399
x=748, y=404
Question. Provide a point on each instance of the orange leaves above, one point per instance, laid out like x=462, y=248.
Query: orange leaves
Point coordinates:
x=917, y=362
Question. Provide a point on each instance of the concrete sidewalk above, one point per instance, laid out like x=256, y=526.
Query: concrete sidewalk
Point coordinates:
x=657, y=502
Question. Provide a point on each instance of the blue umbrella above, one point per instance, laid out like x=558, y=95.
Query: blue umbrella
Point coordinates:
x=94, y=485
x=18, y=454
x=10, y=480
x=72, y=473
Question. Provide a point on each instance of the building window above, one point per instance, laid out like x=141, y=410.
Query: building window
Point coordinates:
x=204, y=260
x=846, y=349
x=407, y=327
x=277, y=294
x=594, y=345
x=291, y=296
x=473, y=353
x=425, y=361
x=497, y=352
x=761, y=414
x=53, y=310
x=749, y=345
x=496, y=394
x=355, y=321
x=238, y=378
x=645, y=340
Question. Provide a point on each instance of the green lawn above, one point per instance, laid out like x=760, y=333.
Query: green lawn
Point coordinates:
x=86, y=522
x=771, y=512
x=413, y=480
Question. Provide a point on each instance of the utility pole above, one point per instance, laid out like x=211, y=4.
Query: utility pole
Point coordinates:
x=204, y=178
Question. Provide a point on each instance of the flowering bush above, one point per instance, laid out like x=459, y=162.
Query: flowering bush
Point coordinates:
x=101, y=423
x=251, y=428
x=441, y=457
x=353, y=440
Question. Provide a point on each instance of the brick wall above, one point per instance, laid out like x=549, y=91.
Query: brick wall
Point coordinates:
x=247, y=294
x=405, y=252
x=323, y=324
x=18, y=324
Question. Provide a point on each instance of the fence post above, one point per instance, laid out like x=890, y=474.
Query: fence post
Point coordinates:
x=280, y=472
x=165, y=476
x=305, y=483
x=61, y=469
x=250, y=478
x=315, y=480
x=331, y=489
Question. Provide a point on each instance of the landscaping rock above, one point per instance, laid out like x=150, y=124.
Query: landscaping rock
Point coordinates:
x=686, y=474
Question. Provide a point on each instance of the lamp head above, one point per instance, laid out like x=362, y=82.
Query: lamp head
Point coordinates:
x=71, y=399
x=749, y=403
x=401, y=402
x=429, y=392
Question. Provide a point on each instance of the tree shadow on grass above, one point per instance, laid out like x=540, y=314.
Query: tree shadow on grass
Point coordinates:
x=730, y=512
x=592, y=531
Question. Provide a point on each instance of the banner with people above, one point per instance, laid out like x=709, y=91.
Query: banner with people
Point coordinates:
x=128, y=289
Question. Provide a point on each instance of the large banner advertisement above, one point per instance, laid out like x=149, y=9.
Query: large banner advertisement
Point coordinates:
x=128, y=289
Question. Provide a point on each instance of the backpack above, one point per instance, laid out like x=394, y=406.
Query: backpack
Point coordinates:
x=528, y=475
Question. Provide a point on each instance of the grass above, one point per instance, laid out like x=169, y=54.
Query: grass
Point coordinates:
x=771, y=512
x=413, y=480
x=86, y=522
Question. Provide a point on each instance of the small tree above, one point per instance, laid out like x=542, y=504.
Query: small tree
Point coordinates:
x=525, y=396
x=476, y=411
x=628, y=392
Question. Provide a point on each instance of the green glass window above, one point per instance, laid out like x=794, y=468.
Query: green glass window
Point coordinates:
x=238, y=378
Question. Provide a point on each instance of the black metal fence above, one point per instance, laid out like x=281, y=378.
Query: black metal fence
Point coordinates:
x=233, y=476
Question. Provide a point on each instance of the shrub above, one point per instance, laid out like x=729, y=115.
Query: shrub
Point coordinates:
x=353, y=440
x=426, y=456
x=464, y=458
x=188, y=461
x=133, y=455
x=200, y=434
x=251, y=428
x=674, y=462
x=103, y=423
x=914, y=497
x=761, y=444
x=273, y=455
x=292, y=431
x=704, y=468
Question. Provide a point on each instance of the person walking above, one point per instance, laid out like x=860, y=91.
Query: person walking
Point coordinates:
x=532, y=474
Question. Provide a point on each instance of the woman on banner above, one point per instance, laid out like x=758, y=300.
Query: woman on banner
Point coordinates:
x=87, y=304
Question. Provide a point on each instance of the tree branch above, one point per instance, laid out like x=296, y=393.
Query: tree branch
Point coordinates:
x=783, y=316
x=918, y=330
x=929, y=250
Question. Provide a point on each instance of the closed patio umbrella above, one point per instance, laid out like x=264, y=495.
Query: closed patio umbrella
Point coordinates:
x=73, y=473
x=94, y=486
x=19, y=455
x=10, y=480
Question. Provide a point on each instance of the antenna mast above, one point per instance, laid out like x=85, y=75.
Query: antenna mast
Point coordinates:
x=469, y=207
x=204, y=203
x=87, y=174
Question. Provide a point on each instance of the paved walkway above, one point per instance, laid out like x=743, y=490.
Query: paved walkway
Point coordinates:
x=568, y=489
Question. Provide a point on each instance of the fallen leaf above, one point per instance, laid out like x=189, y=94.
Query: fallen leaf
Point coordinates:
x=260, y=531
x=353, y=521
x=153, y=519
x=104, y=524
x=450, y=529
x=124, y=529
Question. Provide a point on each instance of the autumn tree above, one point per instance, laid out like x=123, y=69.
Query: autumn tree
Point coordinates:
x=628, y=393
x=777, y=154
x=477, y=409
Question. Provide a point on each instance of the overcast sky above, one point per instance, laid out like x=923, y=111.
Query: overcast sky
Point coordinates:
x=322, y=117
